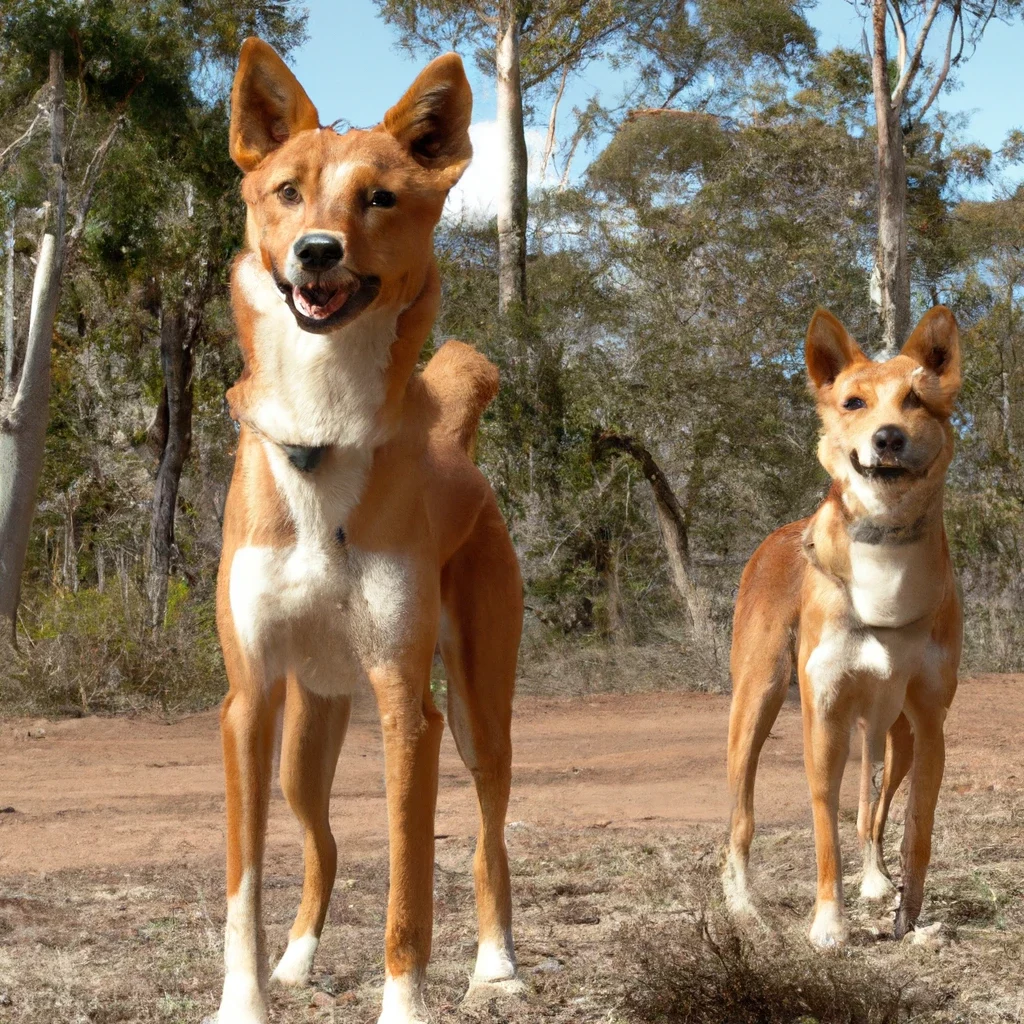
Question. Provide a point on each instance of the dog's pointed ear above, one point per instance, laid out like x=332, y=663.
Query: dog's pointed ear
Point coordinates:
x=268, y=106
x=432, y=119
x=935, y=346
x=829, y=349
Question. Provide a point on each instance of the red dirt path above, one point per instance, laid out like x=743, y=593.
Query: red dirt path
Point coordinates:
x=112, y=792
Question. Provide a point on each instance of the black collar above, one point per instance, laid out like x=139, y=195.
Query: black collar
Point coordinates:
x=304, y=457
x=870, y=531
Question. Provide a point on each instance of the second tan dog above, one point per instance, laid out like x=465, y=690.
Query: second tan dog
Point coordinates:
x=862, y=596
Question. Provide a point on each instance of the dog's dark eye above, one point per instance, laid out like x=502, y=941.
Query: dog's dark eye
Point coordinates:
x=381, y=197
x=289, y=193
x=854, y=403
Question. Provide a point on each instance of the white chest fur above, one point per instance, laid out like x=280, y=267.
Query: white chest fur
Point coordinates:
x=318, y=611
x=317, y=607
x=892, y=585
x=876, y=662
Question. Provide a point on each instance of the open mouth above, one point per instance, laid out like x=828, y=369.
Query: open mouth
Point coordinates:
x=317, y=302
x=879, y=472
x=321, y=307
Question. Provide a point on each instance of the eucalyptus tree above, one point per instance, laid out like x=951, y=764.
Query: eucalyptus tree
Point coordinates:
x=85, y=72
x=904, y=92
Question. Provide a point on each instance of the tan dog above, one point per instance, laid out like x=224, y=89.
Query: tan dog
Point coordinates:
x=862, y=594
x=357, y=531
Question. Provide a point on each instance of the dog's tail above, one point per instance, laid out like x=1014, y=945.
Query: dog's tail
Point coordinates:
x=463, y=383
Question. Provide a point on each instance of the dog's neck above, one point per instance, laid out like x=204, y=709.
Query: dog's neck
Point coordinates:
x=309, y=392
x=878, y=558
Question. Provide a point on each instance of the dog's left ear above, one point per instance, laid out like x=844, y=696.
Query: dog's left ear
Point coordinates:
x=432, y=119
x=268, y=106
x=935, y=346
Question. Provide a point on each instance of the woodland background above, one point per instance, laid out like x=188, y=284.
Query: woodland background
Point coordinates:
x=647, y=315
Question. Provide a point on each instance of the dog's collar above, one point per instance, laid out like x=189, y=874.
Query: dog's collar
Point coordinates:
x=870, y=531
x=304, y=457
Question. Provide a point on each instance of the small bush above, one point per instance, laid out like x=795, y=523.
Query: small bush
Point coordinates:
x=708, y=972
x=92, y=653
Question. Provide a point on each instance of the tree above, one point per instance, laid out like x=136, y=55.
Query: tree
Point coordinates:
x=525, y=43
x=895, y=114
x=137, y=65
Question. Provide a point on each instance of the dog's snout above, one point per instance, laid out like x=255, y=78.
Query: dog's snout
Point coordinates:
x=318, y=251
x=889, y=440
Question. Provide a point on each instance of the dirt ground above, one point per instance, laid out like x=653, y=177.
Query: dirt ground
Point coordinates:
x=111, y=840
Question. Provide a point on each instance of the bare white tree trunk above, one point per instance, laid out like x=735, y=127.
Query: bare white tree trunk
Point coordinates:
x=512, y=195
x=23, y=419
x=892, y=256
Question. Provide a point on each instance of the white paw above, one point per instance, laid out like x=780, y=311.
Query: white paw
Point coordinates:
x=297, y=961
x=242, y=1001
x=495, y=960
x=829, y=927
x=876, y=885
x=737, y=895
x=402, y=1001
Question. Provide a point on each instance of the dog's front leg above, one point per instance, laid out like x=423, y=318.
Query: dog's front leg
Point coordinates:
x=826, y=746
x=248, y=720
x=412, y=729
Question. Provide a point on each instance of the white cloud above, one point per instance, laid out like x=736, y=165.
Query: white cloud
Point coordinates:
x=475, y=196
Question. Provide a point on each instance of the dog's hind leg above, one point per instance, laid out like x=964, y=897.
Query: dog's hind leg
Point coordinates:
x=762, y=668
x=314, y=730
x=876, y=882
x=481, y=626
x=759, y=689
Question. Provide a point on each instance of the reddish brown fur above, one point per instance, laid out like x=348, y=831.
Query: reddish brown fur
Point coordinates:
x=801, y=593
x=422, y=501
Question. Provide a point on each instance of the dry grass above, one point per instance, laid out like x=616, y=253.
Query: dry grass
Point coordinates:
x=612, y=927
x=578, y=669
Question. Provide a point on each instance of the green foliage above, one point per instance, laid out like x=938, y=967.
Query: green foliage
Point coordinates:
x=92, y=653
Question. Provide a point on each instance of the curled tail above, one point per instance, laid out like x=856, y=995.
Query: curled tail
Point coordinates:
x=463, y=383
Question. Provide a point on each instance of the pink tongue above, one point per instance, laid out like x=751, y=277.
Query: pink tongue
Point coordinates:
x=333, y=304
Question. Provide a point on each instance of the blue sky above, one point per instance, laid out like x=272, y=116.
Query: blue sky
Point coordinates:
x=352, y=67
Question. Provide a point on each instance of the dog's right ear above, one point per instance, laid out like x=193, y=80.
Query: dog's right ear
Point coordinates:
x=829, y=349
x=268, y=106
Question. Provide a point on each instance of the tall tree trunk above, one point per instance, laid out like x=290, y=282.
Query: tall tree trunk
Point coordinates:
x=174, y=438
x=70, y=565
x=512, y=196
x=674, y=534
x=892, y=257
x=10, y=360
x=24, y=416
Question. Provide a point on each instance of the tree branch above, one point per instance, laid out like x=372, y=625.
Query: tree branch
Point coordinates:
x=901, y=34
x=10, y=154
x=88, y=186
x=908, y=76
x=943, y=74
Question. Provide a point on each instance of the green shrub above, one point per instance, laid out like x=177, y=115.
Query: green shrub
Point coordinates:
x=92, y=653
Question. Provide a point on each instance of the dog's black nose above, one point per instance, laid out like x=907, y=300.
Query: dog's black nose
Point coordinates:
x=318, y=251
x=889, y=440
